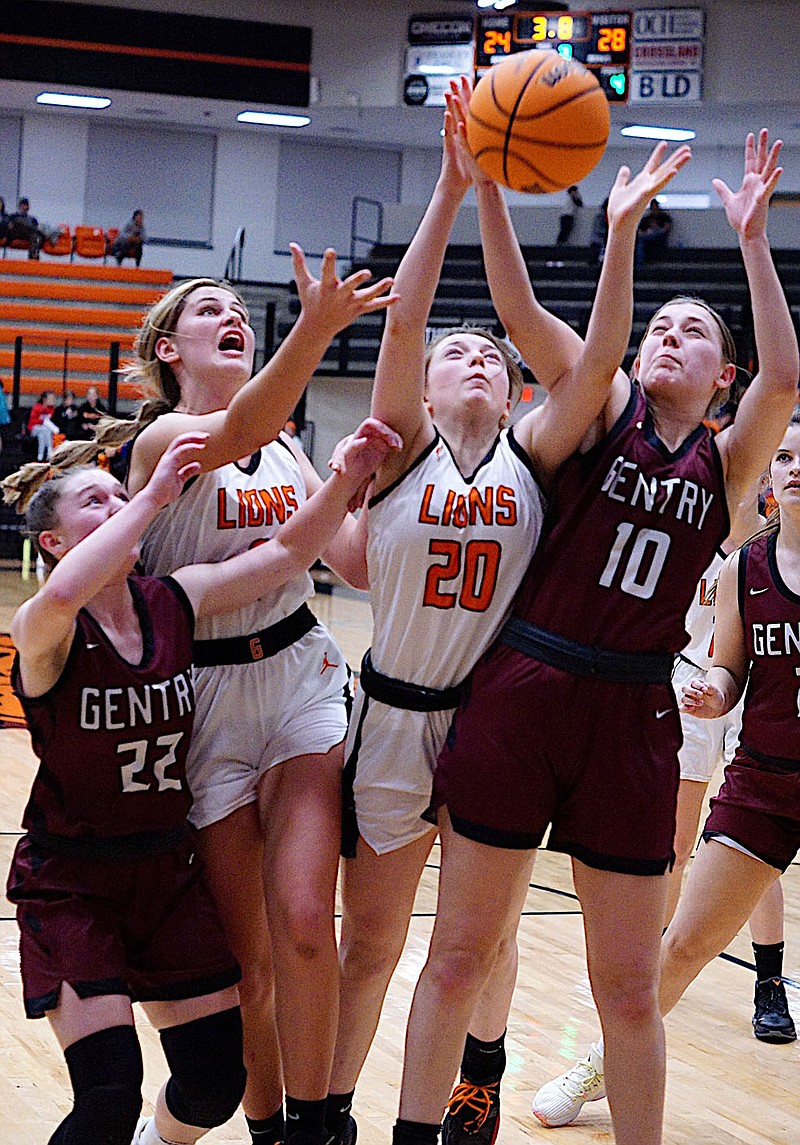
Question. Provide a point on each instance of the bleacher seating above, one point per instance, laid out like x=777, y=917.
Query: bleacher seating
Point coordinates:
x=68, y=315
x=565, y=279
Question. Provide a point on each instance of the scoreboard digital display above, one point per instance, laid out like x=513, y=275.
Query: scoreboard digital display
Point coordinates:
x=598, y=40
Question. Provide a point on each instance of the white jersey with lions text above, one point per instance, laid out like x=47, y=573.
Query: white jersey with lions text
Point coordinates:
x=446, y=554
x=223, y=513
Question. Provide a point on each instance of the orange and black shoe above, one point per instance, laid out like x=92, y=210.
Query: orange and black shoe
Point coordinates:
x=473, y=1114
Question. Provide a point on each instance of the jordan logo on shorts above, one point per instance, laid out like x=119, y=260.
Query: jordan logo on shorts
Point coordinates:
x=326, y=663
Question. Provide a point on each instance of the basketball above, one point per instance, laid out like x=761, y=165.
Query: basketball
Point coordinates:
x=538, y=122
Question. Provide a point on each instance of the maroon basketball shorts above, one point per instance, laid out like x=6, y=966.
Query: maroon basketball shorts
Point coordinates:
x=758, y=807
x=145, y=927
x=533, y=745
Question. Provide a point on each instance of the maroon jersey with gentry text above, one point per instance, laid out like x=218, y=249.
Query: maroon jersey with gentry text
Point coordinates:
x=112, y=737
x=632, y=528
x=770, y=613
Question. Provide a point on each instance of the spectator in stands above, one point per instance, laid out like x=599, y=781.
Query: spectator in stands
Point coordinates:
x=3, y=219
x=41, y=424
x=291, y=430
x=130, y=240
x=653, y=234
x=566, y=222
x=89, y=414
x=5, y=416
x=67, y=415
x=599, y=236
x=24, y=227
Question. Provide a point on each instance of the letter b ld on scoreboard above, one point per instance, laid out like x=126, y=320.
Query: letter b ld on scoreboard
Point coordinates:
x=665, y=87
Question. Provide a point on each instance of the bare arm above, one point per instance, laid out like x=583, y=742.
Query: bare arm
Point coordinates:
x=748, y=444
x=399, y=390
x=230, y=584
x=43, y=626
x=258, y=411
x=548, y=345
x=724, y=683
x=557, y=428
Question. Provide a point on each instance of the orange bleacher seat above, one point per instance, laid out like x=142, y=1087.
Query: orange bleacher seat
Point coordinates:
x=62, y=245
x=111, y=234
x=90, y=242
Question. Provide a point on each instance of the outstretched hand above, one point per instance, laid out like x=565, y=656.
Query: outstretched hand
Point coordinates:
x=360, y=454
x=748, y=207
x=178, y=462
x=458, y=99
x=702, y=699
x=630, y=196
x=332, y=304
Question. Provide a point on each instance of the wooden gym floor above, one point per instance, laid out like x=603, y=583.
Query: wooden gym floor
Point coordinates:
x=724, y=1087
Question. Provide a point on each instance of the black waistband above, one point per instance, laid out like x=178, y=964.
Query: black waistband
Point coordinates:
x=410, y=697
x=586, y=659
x=113, y=847
x=257, y=645
x=777, y=760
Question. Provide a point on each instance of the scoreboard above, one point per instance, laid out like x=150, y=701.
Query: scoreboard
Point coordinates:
x=598, y=40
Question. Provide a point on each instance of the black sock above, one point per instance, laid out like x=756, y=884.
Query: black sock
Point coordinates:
x=415, y=1133
x=483, y=1063
x=337, y=1112
x=769, y=960
x=304, y=1116
x=268, y=1131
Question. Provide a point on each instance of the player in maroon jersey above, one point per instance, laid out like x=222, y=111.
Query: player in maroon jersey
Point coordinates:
x=753, y=831
x=636, y=515
x=110, y=901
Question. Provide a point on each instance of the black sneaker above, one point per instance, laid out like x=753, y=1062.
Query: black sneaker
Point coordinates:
x=348, y=1135
x=772, y=1021
x=473, y=1115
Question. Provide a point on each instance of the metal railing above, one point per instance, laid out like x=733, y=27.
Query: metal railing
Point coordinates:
x=233, y=267
x=68, y=344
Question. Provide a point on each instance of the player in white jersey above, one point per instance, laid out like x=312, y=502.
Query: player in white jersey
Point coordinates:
x=270, y=680
x=452, y=523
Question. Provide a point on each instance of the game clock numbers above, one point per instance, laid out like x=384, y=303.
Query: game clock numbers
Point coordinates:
x=598, y=40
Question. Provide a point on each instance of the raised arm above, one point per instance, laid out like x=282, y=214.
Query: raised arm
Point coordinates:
x=43, y=626
x=719, y=691
x=399, y=390
x=595, y=380
x=748, y=444
x=259, y=410
x=547, y=344
x=240, y=580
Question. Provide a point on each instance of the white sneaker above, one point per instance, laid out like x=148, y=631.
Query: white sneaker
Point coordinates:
x=141, y=1125
x=560, y=1101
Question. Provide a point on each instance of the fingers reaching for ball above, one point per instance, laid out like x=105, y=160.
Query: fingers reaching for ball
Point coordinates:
x=631, y=194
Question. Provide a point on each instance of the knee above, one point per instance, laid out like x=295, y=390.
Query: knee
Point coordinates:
x=369, y=956
x=257, y=985
x=206, y=1062
x=629, y=998
x=462, y=969
x=683, y=951
x=306, y=927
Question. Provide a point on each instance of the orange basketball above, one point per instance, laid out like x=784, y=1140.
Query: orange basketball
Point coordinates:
x=538, y=122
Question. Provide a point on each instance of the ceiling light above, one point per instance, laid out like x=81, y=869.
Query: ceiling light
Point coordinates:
x=498, y=4
x=61, y=99
x=673, y=134
x=273, y=119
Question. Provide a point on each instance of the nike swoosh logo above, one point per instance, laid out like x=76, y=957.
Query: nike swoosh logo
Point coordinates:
x=660, y=715
x=90, y=646
x=758, y=591
x=293, y=1116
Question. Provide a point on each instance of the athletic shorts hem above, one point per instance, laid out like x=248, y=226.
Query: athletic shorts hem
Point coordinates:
x=193, y=988
x=619, y=864
x=496, y=836
x=101, y=987
x=387, y=845
x=770, y=860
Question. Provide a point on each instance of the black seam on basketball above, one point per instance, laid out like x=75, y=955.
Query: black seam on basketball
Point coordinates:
x=556, y=106
x=512, y=115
